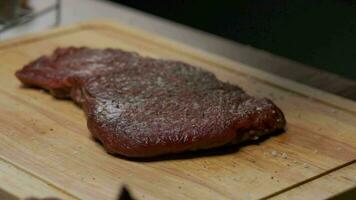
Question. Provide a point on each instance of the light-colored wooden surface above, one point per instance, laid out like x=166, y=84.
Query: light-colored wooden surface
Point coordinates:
x=323, y=187
x=18, y=183
x=48, y=139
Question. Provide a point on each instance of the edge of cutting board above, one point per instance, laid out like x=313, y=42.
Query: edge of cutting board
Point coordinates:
x=16, y=183
x=330, y=183
x=271, y=79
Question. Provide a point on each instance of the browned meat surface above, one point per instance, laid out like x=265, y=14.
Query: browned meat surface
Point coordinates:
x=140, y=107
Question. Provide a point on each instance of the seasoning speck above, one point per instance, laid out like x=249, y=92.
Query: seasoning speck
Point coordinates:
x=284, y=155
x=274, y=153
x=255, y=137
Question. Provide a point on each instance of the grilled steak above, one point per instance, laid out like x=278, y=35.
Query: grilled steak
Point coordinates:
x=141, y=107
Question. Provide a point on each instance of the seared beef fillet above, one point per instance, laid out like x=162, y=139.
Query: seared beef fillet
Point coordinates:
x=141, y=107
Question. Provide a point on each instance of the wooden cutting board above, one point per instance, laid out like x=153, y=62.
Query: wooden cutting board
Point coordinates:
x=46, y=149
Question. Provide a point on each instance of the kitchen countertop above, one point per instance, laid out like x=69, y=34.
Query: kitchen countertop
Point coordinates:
x=74, y=11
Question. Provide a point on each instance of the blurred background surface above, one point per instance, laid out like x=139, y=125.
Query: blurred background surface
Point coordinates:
x=318, y=33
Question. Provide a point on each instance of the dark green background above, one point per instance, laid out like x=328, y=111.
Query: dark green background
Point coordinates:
x=317, y=33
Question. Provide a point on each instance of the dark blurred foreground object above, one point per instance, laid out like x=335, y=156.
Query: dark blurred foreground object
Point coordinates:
x=347, y=195
x=123, y=195
x=317, y=33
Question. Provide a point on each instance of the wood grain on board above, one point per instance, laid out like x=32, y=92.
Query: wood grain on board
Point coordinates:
x=48, y=140
x=323, y=187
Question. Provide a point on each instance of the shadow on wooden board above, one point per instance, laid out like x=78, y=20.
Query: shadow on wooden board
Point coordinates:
x=349, y=194
x=7, y=196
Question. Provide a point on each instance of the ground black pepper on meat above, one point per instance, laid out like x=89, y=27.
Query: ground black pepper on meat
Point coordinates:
x=141, y=107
